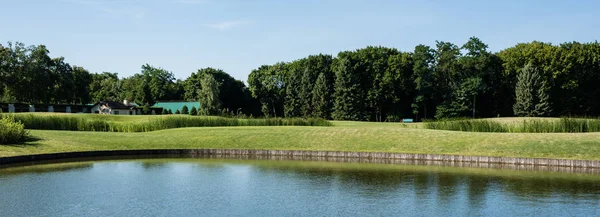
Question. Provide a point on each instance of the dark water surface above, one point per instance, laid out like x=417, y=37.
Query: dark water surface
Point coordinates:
x=226, y=187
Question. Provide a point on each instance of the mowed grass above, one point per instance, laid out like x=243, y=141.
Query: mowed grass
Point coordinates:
x=343, y=136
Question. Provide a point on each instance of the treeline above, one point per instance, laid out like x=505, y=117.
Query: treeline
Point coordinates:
x=369, y=84
x=447, y=80
x=29, y=75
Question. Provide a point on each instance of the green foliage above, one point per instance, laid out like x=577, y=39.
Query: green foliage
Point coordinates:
x=423, y=79
x=177, y=112
x=98, y=123
x=368, y=84
x=209, y=96
x=321, y=98
x=11, y=131
x=267, y=84
x=194, y=111
x=170, y=112
x=164, y=111
x=349, y=94
x=532, y=99
x=185, y=110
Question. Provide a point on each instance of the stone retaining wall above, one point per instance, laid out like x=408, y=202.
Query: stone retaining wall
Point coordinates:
x=359, y=156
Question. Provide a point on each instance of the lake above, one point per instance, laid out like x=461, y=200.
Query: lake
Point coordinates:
x=231, y=187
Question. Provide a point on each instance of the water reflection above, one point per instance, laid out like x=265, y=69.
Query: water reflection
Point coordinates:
x=240, y=187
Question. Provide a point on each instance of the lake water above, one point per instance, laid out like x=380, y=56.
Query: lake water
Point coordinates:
x=229, y=187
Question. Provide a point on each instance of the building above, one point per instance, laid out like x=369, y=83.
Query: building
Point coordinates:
x=174, y=106
x=115, y=108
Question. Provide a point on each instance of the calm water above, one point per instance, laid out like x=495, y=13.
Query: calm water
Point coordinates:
x=219, y=187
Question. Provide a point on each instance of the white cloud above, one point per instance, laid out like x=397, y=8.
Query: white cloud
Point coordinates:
x=227, y=25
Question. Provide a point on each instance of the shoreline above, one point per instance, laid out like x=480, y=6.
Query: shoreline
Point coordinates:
x=377, y=157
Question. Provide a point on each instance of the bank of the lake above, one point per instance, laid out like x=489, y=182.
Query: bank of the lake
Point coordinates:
x=343, y=136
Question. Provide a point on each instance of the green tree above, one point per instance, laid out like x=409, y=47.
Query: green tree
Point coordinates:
x=423, y=78
x=293, y=106
x=447, y=80
x=209, y=96
x=165, y=111
x=531, y=94
x=185, y=110
x=177, y=112
x=321, y=98
x=348, y=91
x=267, y=85
x=194, y=111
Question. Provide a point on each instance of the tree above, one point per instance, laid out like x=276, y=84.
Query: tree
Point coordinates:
x=194, y=111
x=170, y=111
x=423, y=78
x=267, y=84
x=185, y=110
x=293, y=106
x=177, y=112
x=209, y=96
x=321, y=98
x=446, y=79
x=165, y=111
x=531, y=94
x=105, y=87
x=349, y=94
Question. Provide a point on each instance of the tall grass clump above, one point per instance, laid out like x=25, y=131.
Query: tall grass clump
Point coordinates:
x=466, y=125
x=89, y=123
x=11, y=131
x=562, y=125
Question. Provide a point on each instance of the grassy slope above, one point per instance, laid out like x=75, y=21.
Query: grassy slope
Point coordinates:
x=345, y=136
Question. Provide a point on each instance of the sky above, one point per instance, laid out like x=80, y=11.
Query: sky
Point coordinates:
x=238, y=36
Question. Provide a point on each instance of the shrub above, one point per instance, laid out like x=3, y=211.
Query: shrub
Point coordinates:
x=11, y=131
x=194, y=111
x=177, y=112
x=185, y=110
x=164, y=111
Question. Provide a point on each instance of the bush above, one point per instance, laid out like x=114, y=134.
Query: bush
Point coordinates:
x=185, y=110
x=194, y=111
x=177, y=112
x=164, y=111
x=12, y=132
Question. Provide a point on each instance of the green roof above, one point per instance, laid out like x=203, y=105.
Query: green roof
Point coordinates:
x=177, y=105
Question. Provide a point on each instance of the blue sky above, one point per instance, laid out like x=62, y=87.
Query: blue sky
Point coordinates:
x=240, y=35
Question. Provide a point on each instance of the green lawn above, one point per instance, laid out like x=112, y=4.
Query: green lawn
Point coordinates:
x=344, y=136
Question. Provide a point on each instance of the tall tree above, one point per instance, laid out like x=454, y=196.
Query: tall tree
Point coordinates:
x=267, y=84
x=423, y=78
x=209, y=96
x=321, y=100
x=531, y=94
x=446, y=70
x=349, y=94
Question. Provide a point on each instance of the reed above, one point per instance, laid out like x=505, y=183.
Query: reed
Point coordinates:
x=562, y=125
x=89, y=123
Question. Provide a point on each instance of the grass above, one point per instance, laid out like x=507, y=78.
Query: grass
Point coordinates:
x=343, y=136
x=113, y=123
x=530, y=125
